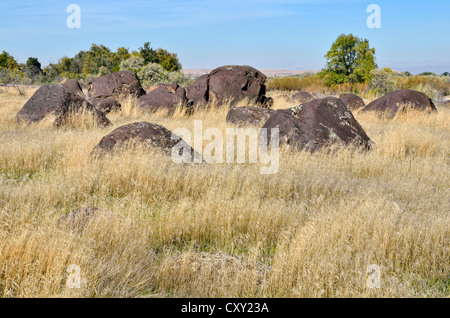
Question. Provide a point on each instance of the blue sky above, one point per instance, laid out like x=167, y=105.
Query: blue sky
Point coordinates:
x=266, y=34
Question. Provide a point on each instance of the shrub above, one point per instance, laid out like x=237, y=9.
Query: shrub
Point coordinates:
x=103, y=71
x=153, y=74
x=382, y=81
x=309, y=83
x=417, y=82
x=133, y=63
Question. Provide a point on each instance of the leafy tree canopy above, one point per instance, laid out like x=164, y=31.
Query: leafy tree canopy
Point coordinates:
x=8, y=62
x=349, y=60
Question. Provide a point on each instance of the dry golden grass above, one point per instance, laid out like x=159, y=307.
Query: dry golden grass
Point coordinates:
x=310, y=230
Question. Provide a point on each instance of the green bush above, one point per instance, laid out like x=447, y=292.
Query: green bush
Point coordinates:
x=133, y=63
x=153, y=74
x=382, y=81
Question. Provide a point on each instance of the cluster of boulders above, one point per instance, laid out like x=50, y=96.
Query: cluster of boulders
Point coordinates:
x=229, y=84
x=309, y=126
x=99, y=97
x=313, y=124
x=321, y=122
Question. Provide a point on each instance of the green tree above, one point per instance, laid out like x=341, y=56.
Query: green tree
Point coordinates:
x=8, y=62
x=427, y=73
x=349, y=60
x=33, y=68
x=98, y=56
x=123, y=53
x=169, y=61
x=147, y=53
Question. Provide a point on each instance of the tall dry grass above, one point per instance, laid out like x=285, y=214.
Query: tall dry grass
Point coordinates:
x=224, y=230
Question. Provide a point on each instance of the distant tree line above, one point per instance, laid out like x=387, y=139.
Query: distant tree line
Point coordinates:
x=96, y=61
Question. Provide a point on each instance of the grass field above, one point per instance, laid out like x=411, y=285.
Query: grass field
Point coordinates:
x=224, y=230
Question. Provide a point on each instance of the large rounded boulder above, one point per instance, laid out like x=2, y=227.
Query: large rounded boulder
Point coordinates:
x=399, y=100
x=317, y=124
x=229, y=84
x=352, y=101
x=114, y=86
x=60, y=101
x=164, y=97
x=148, y=135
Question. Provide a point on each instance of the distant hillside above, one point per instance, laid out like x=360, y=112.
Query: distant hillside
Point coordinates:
x=195, y=72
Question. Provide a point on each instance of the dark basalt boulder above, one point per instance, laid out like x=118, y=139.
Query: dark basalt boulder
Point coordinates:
x=198, y=92
x=116, y=85
x=317, y=124
x=248, y=116
x=165, y=96
x=352, y=101
x=146, y=134
x=105, y=105
x=74, y=86
x=58, y=100
x=228, y=84
x=399, y=100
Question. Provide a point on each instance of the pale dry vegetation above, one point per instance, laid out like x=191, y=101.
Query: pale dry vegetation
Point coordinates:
x=224, y=230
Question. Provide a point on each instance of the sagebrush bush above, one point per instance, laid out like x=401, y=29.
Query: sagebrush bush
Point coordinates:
x=382, y=81
x=133, y=63
x=153, y=74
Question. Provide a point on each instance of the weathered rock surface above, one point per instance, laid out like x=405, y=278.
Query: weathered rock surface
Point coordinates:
x=73, y=86
x=229, y=84
x=105, y=92
x=146, y=134
x=248, y=116
x=352, y=101
x=53, y=99
x=317, y=124
x=164, y=96
x=390, y=104
x=116, y=85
